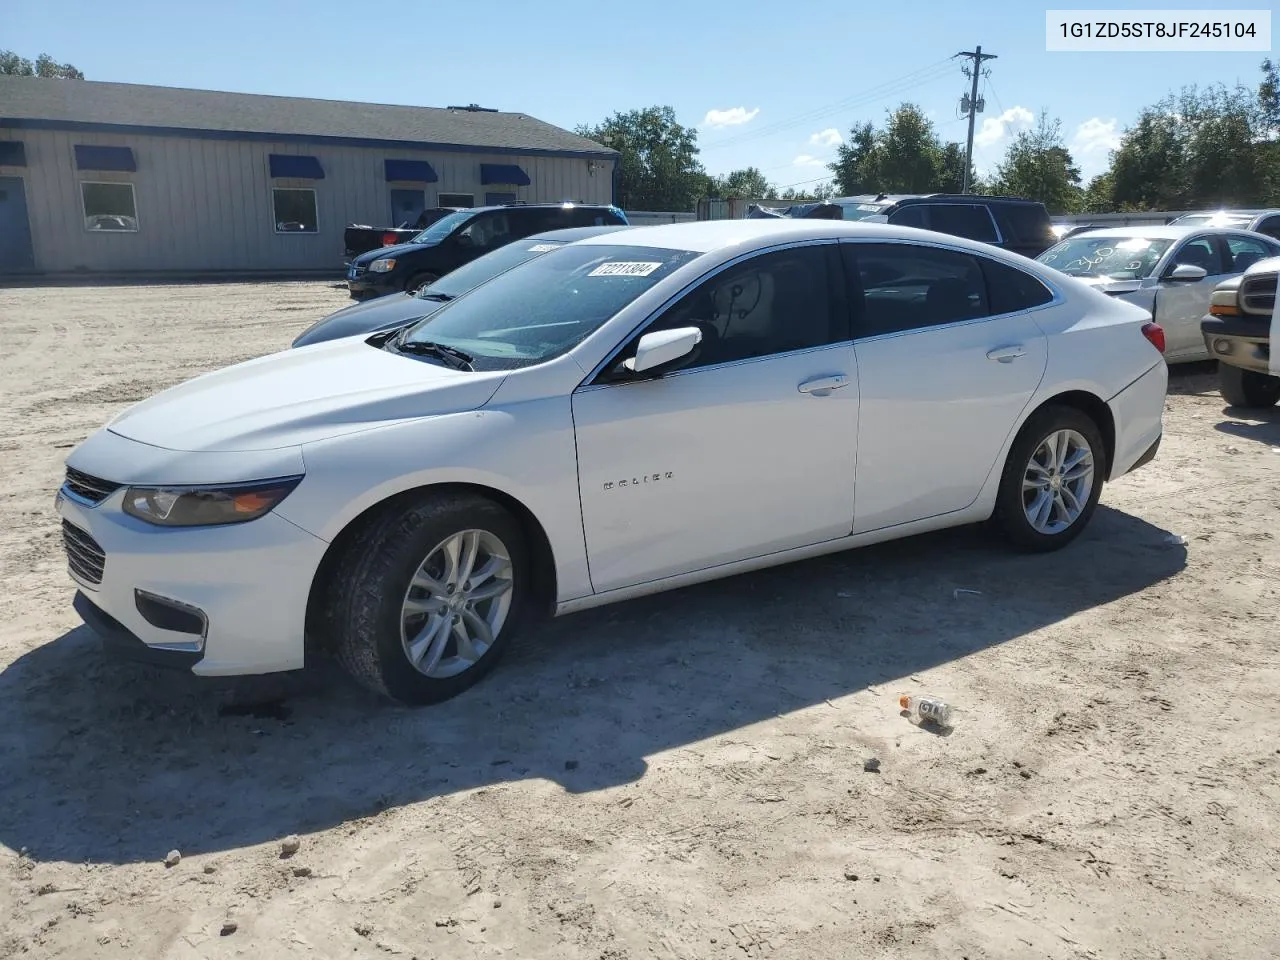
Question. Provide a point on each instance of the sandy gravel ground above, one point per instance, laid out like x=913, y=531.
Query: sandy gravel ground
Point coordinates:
x=677, y=777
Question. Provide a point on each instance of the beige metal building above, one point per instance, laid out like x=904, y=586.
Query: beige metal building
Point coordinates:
x=122, y=178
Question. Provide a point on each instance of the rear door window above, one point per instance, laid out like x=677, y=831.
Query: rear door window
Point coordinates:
x=908, y=286
x=1270, y=226
x=963, y=220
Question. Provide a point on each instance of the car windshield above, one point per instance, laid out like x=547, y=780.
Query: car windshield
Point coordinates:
x=548, y=305
x=1211, y=220
x=478, y=271
x=1116, y=258
x=444, y=226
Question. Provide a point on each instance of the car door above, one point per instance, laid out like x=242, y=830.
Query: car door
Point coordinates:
x=949, y=355
x=747, y=449
x=1181, y=304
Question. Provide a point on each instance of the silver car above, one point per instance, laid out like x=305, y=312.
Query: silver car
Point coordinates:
x=1261, y=221
x=1169, y=271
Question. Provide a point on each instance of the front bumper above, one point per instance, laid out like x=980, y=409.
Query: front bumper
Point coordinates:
x=1240, y=342
x=248, y=582
x=365, y=285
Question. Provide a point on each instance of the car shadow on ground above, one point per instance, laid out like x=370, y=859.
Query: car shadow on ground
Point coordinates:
x=1198, y=379
x=1262, y=426
x=108, y=762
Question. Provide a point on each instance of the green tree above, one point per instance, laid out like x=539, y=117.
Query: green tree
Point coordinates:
x=45, y=66
x=849, y=167
x=1038, y=166
x=906, y=156
x=658, y=166
x=749, y=184
x=1099, y=196
x=810, y=192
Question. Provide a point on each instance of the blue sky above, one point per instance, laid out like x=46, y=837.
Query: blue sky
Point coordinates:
x=767, y=84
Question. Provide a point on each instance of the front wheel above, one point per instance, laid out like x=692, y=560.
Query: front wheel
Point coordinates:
x=1247, y=388
x=418, y=282
x=427, y=596
x=1052, y=480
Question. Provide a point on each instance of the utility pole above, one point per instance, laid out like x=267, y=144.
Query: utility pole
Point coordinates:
x=973, y=106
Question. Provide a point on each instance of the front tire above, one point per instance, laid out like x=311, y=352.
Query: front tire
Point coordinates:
x=427, y=596
x=1247, y=388
x=1052, y=480
x=418, y=281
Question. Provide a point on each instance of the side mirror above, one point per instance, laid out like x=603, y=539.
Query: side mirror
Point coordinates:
x=1188, y=273
x=659, y=349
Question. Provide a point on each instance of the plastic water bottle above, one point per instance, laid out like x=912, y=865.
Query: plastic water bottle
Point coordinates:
x=932, y=709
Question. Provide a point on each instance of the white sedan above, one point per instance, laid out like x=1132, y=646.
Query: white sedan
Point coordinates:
x=1169, y=271
x=625, y=415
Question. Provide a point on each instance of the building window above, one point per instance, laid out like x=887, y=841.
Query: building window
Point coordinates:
x=109, y=207
x=456, y=200
x=295, y=210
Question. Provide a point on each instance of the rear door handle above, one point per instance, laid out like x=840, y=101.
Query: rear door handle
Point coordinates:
x=1006, y=354
x=824, y=385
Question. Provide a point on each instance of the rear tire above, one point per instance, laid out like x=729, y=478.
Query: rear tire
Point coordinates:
x=1052, y=480
x=418, y=281
x=1247, y=388
x=399, y=613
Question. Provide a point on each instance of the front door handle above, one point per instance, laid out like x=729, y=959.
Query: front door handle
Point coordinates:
x=824, y=385
x=1006, y=354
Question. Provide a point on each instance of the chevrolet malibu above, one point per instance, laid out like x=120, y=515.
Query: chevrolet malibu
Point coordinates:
x=624, y=415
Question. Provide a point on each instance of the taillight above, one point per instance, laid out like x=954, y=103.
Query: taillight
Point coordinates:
x=1154, y=334
x=389, y=239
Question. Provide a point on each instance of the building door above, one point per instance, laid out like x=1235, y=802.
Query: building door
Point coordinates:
x=15, y=232
x=407, y=206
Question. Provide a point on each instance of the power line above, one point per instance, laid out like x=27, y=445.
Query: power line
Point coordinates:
x=916, y=78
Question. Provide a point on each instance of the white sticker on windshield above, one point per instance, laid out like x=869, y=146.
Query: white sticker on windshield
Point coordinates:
x=868, y=206
x=543, y=247
x=624, y=268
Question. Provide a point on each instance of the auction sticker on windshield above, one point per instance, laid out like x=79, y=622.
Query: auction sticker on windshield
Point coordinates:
x=624, y=268
x=543, y=247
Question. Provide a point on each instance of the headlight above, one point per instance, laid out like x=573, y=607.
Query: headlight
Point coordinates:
x=206, y=506
x=383, y=266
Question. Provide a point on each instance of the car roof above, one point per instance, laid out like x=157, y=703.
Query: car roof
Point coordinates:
x=890, y=199
x=573, y=234
x=567, y=205
x=1156, y=232
x=706, y=236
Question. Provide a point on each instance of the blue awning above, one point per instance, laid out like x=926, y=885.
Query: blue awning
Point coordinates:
x=12, y=153
x=503, y=173
x=418, y=171
x=104, y=158
x=289, y=165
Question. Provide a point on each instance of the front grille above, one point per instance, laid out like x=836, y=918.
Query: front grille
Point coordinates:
x=1258, y=295
x=90, y=489
x=84, y=557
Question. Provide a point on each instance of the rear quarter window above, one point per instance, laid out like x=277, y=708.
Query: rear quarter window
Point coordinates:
x=1024, y=223
x=1010, y=289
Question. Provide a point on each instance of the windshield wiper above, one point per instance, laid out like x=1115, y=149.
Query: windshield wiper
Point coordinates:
x=455, y=357
x=433, y=295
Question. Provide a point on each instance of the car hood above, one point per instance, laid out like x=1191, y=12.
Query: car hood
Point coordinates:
x=392, y=251
x=1109, y=285
x=300, y=396
x=372, y=316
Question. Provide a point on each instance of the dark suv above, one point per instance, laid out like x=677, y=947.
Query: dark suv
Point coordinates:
x=1017, y=225
x=461, y=237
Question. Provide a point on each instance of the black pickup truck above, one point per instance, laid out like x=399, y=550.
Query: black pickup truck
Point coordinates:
x=358, y=238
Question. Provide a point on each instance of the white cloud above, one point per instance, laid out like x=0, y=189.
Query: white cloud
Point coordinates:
x=995, y=129
x=1096, y=135
x=804, y=160
x=733, y=117
x=829, y=137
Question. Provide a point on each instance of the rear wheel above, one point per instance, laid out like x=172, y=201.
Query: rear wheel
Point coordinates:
x=415, y=283
x=427, y=596
x=1247, y=388
x=1052, y=480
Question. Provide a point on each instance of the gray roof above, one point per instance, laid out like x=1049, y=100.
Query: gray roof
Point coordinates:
x=86, y=104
